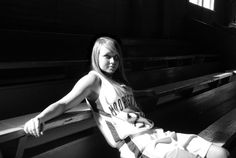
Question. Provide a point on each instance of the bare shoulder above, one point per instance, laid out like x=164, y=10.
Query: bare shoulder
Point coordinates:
x=93, y=78
x=90, y=80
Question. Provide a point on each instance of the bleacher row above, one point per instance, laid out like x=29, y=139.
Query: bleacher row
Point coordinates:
x=36, y=71
x=148, y=63
x=175, y=90
x=80, y=118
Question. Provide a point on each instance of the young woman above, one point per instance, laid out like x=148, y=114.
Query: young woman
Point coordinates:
x=122, y=123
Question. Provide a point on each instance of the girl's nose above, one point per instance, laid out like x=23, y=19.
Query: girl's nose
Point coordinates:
x=112, y=60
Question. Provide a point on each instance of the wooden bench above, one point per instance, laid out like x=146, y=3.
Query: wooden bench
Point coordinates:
x=40, y=71
x=148, y=63
x=24, y=72
x=175, y=90
x=72, y=122
x=156, y=71
x=12, y=128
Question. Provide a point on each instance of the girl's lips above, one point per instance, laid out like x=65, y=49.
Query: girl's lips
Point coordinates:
x=112, y=66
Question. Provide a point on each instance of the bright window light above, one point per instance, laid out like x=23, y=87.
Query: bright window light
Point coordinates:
x=209, y=4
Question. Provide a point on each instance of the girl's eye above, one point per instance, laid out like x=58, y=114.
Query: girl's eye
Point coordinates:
x=107, y=56
x=116, y=57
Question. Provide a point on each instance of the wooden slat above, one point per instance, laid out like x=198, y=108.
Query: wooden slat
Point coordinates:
x=13, y=128
x=147, y=63
x=157, y=77
x=173, y=90
x=21, y=147
x=190, y=83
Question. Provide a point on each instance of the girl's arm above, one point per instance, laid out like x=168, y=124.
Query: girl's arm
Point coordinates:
x=85, y=87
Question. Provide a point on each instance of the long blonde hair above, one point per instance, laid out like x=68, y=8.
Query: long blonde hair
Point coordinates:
x=111, y=44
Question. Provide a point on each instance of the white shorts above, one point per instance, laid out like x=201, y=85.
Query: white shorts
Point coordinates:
x=156, y=143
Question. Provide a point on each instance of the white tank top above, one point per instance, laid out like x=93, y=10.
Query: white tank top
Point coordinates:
x=117, y=114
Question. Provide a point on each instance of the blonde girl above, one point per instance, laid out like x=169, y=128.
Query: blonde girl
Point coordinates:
x=118, y=117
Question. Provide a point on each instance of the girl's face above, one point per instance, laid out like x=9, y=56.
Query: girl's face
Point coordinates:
x=108, y=60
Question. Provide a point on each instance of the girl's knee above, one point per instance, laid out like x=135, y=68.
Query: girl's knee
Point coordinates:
x=217, y=152
x=224, y=152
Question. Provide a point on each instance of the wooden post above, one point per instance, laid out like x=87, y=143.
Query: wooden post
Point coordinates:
x=21, y=147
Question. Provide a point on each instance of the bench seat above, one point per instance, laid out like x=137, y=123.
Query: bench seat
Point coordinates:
x=13, y=128
x=168, y=92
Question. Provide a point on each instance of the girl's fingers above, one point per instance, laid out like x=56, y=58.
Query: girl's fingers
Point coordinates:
x=27, y=127
x=41, y=128
x=32, y=127
x=37, y=127
x=38, y=130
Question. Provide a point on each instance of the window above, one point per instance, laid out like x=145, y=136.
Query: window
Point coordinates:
x=209, y=4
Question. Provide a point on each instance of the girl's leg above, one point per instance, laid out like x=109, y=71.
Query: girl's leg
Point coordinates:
x=217, y=152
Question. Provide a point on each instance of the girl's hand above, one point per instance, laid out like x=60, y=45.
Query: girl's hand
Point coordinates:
x=34, y=127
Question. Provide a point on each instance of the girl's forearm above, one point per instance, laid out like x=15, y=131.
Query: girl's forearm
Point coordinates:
x=51, y=111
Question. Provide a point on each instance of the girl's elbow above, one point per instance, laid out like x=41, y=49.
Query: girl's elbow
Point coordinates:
x=66, y=106
x=60, y=107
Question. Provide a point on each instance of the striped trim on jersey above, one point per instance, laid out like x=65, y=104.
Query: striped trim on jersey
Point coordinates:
x=131, y=145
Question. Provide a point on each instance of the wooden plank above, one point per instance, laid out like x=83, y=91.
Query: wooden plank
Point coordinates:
x=61, y=132
x=168, y=88
x=157, y=77
x=13, y=128
x=171, y=87
x=74, y=115
x=21, y=147
x=171, y=91
x=221, y=130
